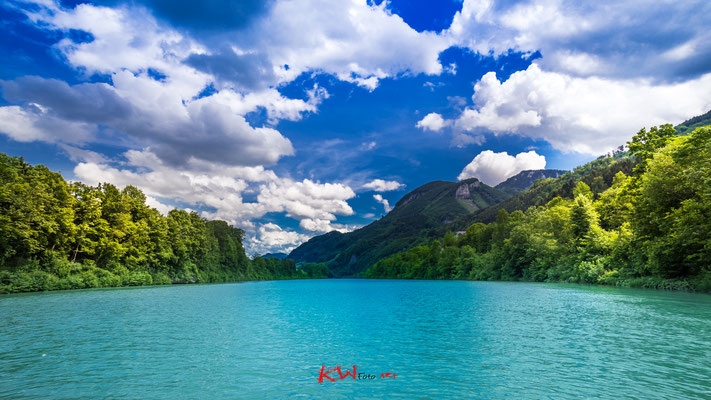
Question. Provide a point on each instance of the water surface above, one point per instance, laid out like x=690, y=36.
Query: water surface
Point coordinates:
x=443, y=339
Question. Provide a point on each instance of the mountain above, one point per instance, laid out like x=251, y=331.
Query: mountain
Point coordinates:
x=412, y=220
x=597, y=174
x=689, y=125
x=524, y=179
x=278, y=256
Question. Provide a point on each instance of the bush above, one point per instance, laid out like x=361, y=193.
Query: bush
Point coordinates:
x=137, y=278
x=587, y=271
x=160, y=278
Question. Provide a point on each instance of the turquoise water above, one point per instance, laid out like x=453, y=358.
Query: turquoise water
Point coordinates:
x=443, y=339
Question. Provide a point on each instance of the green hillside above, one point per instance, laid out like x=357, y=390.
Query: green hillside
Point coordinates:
x=413, y=219
x=525, y=179
x=693, y=123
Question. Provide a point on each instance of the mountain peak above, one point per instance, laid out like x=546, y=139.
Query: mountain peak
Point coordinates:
x=524, y=179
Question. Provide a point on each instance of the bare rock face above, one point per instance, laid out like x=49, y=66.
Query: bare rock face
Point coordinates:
x=464, y=190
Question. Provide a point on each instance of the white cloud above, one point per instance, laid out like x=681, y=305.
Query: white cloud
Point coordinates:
x=306, y=199
x=271, y=237
x=162, y=208
x=32, y=123
x=605, y=38
x=461, y=139
x=383, y=201
x=587, y=115
x=80, y=155
x=324, y=225
x=367, y=146
x=166, y=114
x=354, y=41
x=219, y=189
x=494, y=168
x=433, y=122
x=151, y=113
x=379, y=185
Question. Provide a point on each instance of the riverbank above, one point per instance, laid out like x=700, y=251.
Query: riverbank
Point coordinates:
x=42, y=281
x=693, y=285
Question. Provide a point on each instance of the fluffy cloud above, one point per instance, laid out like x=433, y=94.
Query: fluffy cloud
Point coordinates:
x=383, y=201
x=632, y=39
x=433, y=122
x=271, y=237
x=32, y=122
x=604, y=73
x=494, y=168
x=147, y=111
x=379, y=185
x=367, y=146
x=352, y=40
x=306, y=199
x=588, y=115
x=324, y=225
x=154, y=96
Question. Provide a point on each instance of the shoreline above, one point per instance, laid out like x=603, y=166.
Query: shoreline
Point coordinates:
x=665, y=285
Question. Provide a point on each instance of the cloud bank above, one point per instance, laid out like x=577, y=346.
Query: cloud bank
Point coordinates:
x=494, y=168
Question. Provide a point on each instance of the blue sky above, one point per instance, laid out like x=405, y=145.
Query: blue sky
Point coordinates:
x=293, y=118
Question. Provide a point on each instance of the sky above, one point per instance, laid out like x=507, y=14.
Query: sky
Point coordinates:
x=293, y=118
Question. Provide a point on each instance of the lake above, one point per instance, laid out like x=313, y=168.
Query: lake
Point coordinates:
x=442, y=339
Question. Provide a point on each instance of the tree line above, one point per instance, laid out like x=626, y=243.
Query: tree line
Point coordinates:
x=648, y=228
x=56, y=235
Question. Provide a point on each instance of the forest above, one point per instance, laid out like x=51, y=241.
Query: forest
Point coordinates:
x=649, y=227
x=58, y=235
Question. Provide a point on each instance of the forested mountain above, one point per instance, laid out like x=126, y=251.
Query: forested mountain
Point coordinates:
x=597, y=174
x=693, y=123
x=637, y=219
x=279, y=256
x=415, y=218
x=59, y=235
x=525, y=179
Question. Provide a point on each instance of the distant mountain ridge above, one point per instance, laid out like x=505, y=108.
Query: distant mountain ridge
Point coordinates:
x=279, y=256
x=417, y=216
x=525, y=179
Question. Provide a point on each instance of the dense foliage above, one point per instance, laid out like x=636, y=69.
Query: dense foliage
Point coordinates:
x=59, y=235
x=316, y=270
x=651, y=227
x=693, y=123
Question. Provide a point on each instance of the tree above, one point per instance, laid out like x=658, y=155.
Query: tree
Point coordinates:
x=645, y=143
